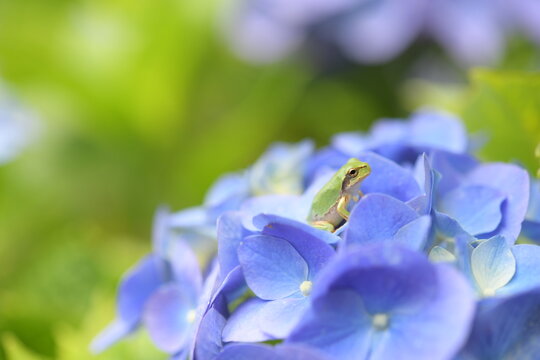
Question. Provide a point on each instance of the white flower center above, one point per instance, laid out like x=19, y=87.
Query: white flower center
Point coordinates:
x=380, y=321
x=190, y=316
x=488, y=292
x=305, y=288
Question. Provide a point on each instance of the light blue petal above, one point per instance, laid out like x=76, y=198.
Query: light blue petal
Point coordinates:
x=268, y=320
x=402, y=185
x=208, y=341
x=527, y=274
x=513, y=182
x=289, y=206
x=377, y=218
x=476, y=208
x=440, y=254
x=437, y=130
x=493, y=264
x=168, y=317
x=272, y=267
x=414, y=234
x=110, y=335
x=185, y=268
x=230, y=233
x=137, y=286
x=243, y=325
x=338, y=325
x=438, y=330
x=311, y=243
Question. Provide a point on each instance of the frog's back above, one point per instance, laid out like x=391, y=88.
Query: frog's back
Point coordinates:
x=325, y=199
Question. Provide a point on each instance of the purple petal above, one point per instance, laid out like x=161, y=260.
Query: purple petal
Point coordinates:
x=208, y=339
x=389, y=278
x=284, y=228
x=185, y=268
x=137, y=286
x=527, y=274
x=268, y=320
x=403, y=186
x=377, y=218
x=506, y=328
x=476, y=208
x=513, y=182
x=438, y=330
x=110, y=335
x=338, y=324
x=230, y=233
x=168, y=317
x=272, y=267
x=435, y=130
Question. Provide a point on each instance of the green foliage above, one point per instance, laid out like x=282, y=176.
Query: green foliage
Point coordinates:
x=505, y=106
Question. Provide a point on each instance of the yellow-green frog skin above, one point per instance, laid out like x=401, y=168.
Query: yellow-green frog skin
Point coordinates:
x=329, y=207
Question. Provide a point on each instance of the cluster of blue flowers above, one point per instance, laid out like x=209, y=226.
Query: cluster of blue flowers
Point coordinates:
x=473, y=32
x=426, y=267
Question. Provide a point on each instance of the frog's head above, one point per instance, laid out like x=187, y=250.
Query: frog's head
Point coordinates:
x=354, y=172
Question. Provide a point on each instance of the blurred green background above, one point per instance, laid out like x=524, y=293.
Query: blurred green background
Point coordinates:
x=142, y=104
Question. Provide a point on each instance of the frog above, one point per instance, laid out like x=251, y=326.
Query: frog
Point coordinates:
x=329, y=207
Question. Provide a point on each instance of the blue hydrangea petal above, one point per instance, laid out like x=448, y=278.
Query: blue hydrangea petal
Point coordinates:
x=513, y=182
x=414, y=235
x=493, y=264
x=436, y=130
x=168, y=317
x=280, y=170
x=377, y=218
x=531, y=225
x=185, y=268
x=208, y=342
x=272, y=267
x=230, y=232
x=337, y=324
x=389, y=178
x=289, y=206
x=137, y=286
x=428, y=179
x=507, y=327
x=243, y=325
x=527, y=273
x=226, y=194
x=440, y=254
x=476, y=208
x=113, y=333
x=438, y=330
x=453, y=169
x=311, y=243
x=325, y=160
x=531, y=229
x=389, y=278
x=267, y=320
x=265, y=352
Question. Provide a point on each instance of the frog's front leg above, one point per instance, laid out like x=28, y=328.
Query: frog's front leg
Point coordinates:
x=342, y=207
x=323, y=225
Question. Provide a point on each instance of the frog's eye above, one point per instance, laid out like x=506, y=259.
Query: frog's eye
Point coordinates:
x=352, y=172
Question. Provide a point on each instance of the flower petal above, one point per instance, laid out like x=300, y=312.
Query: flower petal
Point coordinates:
x=230, y=233
x=438, y=330
x=168, y=317
x=513, y=182
x=208, y=341
x=476, y=208
x=243, y=325
x=272, y=267
x=493, y=264
x=338, y=324
x=402, y=185
x=377, y=218
x=527, y=274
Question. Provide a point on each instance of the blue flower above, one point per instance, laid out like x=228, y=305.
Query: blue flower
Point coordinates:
x=280, y=265
x=506, y=328
x=265, y=352
x=531, y=225
x=387, y=302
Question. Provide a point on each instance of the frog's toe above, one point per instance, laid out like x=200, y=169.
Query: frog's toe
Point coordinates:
x=323, y=225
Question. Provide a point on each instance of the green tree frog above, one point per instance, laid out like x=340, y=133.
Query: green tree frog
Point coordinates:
x=329, y=207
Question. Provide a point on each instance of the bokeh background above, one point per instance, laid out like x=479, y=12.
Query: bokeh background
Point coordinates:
x=142, y=103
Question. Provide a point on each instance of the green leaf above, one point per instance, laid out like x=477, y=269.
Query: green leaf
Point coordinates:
x=505, y=106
